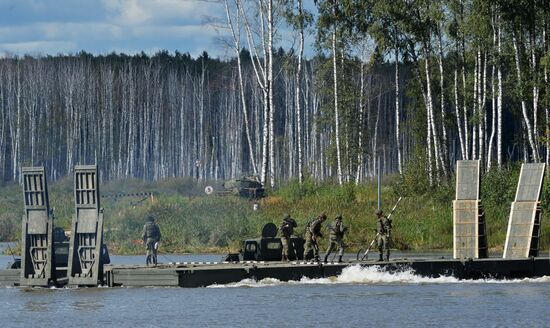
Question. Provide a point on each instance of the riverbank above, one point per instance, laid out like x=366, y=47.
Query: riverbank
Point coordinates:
x=193, y=222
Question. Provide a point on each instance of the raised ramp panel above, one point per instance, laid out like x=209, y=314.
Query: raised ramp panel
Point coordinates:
x=469, y=237
x=523, y=235
x=85, y=267
x=467, y=180
x=37, y=267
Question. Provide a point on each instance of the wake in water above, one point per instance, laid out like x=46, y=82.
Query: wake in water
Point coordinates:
x=375, y=275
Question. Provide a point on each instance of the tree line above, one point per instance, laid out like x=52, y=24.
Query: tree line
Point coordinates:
x=411, y=85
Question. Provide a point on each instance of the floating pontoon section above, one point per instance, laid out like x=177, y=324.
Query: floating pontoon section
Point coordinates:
x=37, y=255
x=522, y=239
x=469, y=237
x=84, y=267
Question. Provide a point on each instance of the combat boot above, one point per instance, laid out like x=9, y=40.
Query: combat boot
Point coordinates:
x=326, y=259
x=340, y=259
x=380, y=259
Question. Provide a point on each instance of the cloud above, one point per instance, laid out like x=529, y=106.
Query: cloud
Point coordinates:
x=39, y=47
x=160, y=12
x=104, y=26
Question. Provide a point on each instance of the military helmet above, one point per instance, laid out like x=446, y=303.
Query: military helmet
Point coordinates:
x=379, y=212
x=150, y=218
x=323, y=216
x=286, y=216
x=339, y=218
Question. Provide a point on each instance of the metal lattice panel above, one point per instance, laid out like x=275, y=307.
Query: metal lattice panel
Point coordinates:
x=467, y=180
x=87, y=229
x=469, y=239
x=37, y=267
x=520, y=229
x=522, y=238
x=465, y=231
x=530, y=182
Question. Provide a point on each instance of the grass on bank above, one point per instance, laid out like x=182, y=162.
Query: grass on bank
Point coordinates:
x=190, y=221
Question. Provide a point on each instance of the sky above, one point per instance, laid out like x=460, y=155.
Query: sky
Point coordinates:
x=51, y=27
x=103, y=26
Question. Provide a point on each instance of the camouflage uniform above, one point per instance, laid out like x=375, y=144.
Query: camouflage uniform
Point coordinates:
x=336, y=238
x=383, y=228
x=151, y=236
x=286, y=229
x=313, y=233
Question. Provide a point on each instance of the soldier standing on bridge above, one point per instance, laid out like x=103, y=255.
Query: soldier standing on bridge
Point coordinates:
x=337, y=232
x=287, y=229
x=151, y=238
x=383, y=229
x=313, y=233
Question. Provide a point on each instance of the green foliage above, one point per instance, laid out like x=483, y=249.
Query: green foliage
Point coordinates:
x=422, y=221
x=414, y=180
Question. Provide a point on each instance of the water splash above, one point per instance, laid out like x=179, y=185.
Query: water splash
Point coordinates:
x=375, y=275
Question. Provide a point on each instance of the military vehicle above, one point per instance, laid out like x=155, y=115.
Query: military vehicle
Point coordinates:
x=268, y=247
x=61, y=253
x=248, y=187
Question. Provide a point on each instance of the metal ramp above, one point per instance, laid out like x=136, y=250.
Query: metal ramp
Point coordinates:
x=37, y=267
x=522, y=238
x=469, y=236
x=85, y=267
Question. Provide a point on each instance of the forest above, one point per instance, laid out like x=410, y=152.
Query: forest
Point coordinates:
x=410, y=85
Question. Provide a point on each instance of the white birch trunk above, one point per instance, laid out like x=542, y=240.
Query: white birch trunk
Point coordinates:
x=493, y=109
x=475, y=112
x=431, y=120
x=526, y=119
x=458, y=120
x=361, y=118
x=237, y=48
x=397, y=114
x=336, y=114
x=271, y=102
x=534, y=74
x=499, y=98
x=299, y=92
x=465, y=110
x=442, y=100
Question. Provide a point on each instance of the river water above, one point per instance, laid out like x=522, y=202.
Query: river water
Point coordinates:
x=357, y=298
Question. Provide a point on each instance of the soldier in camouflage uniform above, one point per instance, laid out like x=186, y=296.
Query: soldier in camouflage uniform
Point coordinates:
x=151, y=237
x=383, y=229
x=286, y=229
x=313, y=233
x=337, y=232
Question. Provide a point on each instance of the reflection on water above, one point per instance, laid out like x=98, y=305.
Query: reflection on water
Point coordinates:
x=87, y=305
x=36, y=306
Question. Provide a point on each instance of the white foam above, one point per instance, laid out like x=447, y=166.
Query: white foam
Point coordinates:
x=376, y=275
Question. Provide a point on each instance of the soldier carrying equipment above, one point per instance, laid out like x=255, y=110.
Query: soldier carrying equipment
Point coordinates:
x=363, y=254
x=313, y=233
x=336, y=238
x=286, y=229
x=151, y=238
x=383, y=230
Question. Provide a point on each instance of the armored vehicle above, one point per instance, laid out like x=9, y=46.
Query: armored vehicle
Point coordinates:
x=248, y=187
x=269, y=247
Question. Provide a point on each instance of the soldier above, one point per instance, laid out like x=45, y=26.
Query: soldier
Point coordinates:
x=286, y=229
x=151, y=237
x=313, y=233
x=337, y=232
x=383, y=229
